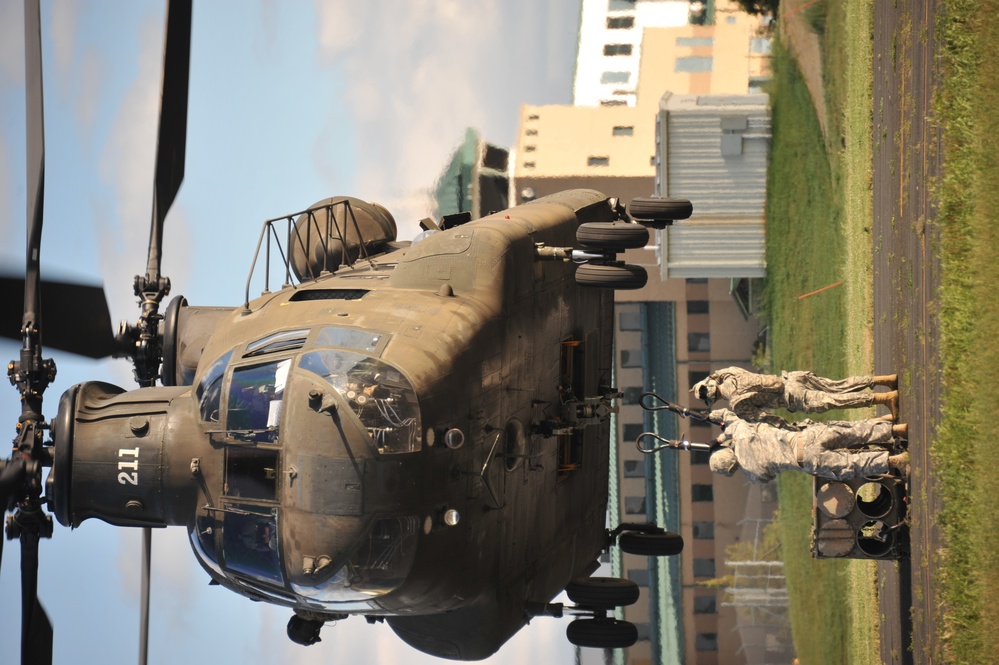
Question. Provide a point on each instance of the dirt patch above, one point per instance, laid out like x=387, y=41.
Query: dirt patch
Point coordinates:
x=804, y=45
x=907, y=160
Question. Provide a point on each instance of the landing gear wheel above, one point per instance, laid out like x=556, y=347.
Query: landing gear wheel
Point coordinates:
x=650, y=544
x=659, y=213
x=612, y=235
x=602, y=633
x=615, y=276
x=602, y=592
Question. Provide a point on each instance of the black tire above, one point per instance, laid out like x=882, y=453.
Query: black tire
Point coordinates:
x=616, y=236
x=614, y=276
x=650, y=544
x=659, y=210
x=602, y=592
x=602, y=633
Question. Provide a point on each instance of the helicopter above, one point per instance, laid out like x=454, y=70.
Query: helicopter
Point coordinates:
x=393, y=413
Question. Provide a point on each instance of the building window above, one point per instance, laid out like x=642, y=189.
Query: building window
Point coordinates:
x=694, y=42
x=629, y=321
x=699, y=456
x=634, y=505
x=704, y=567
x=597, y=161
x=528, y=165
x=704, y=530
x=652, y=160
x=631, y=358
x=529, y=148
x=704, y=605
x=697, y=306
x=613, y=102
x=534, y=116
x=698, y=342
x=620, y=22
x=623, y=131
x=634, y=468
x=619, y=49
x=706, y=642
x=615, y=77
x=693, y=64
x=620, y=5
x=697, y=280
x=694, y=376
x=531, y=132
x=702, y=492
x=632, y=395
x=631, y=432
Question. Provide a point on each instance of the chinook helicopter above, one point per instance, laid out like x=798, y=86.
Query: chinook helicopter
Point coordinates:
x=414, y=432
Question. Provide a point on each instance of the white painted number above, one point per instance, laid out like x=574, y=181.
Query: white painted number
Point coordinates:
x=124, y=477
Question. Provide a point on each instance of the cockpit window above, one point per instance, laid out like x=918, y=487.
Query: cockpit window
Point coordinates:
x=379, y=566
x=282, y=341
x=209, y=391
x=250, y=542
x=350, y=338
x=256, y=395
x=378, y=394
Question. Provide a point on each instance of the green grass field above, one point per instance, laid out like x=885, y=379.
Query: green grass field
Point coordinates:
x=818, y=233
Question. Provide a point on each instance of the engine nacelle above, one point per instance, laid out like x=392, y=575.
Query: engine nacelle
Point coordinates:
x=186, y=331
x=125, y=457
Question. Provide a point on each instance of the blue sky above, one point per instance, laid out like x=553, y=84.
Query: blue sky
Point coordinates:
x=290, y=102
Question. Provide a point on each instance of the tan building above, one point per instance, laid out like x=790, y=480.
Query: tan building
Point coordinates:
x=669, y=335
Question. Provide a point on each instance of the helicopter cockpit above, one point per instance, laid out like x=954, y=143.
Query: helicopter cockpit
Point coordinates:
x=242, y=401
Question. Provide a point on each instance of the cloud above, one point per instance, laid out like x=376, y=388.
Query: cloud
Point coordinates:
x=414, y=83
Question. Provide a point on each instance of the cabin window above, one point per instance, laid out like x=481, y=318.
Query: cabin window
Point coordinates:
x=250, y=542
x=209, y=391
x=256, y=396
x=251, y=472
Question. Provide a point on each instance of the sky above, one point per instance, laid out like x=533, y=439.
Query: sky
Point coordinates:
x=290, y=102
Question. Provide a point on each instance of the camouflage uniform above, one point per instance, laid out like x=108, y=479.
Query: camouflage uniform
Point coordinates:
x=762, y=451
x=750, y=394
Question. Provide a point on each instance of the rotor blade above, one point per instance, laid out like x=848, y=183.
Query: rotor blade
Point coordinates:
x=36, y=631
x=147, y=542
x=35, y=111
x=172, y=140
x=78, y=316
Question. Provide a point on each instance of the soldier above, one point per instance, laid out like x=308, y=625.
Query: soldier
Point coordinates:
x=749, y=394
x=820, y=449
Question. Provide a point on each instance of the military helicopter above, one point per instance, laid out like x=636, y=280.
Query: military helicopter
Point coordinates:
x=415, y=432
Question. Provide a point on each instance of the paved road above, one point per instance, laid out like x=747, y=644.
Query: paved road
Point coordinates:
x=907, y=159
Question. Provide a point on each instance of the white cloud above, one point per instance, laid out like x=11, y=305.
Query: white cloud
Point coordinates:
x=415, y=82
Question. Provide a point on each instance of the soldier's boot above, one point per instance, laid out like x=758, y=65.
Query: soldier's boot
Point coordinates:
x=899, y=462
x=889, y=399
x=888, y=380
x=900, y=431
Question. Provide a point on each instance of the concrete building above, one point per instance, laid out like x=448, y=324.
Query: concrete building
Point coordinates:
x=610, y=46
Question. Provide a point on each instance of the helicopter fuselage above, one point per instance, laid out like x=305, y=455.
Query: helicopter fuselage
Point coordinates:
x=411, y=437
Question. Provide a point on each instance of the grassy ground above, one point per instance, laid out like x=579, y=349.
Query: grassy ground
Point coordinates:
x=964, y=451
x=819, y=233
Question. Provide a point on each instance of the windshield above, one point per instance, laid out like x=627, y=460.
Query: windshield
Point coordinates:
x=378, y=394
x=256, y=395
x=378, y=567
